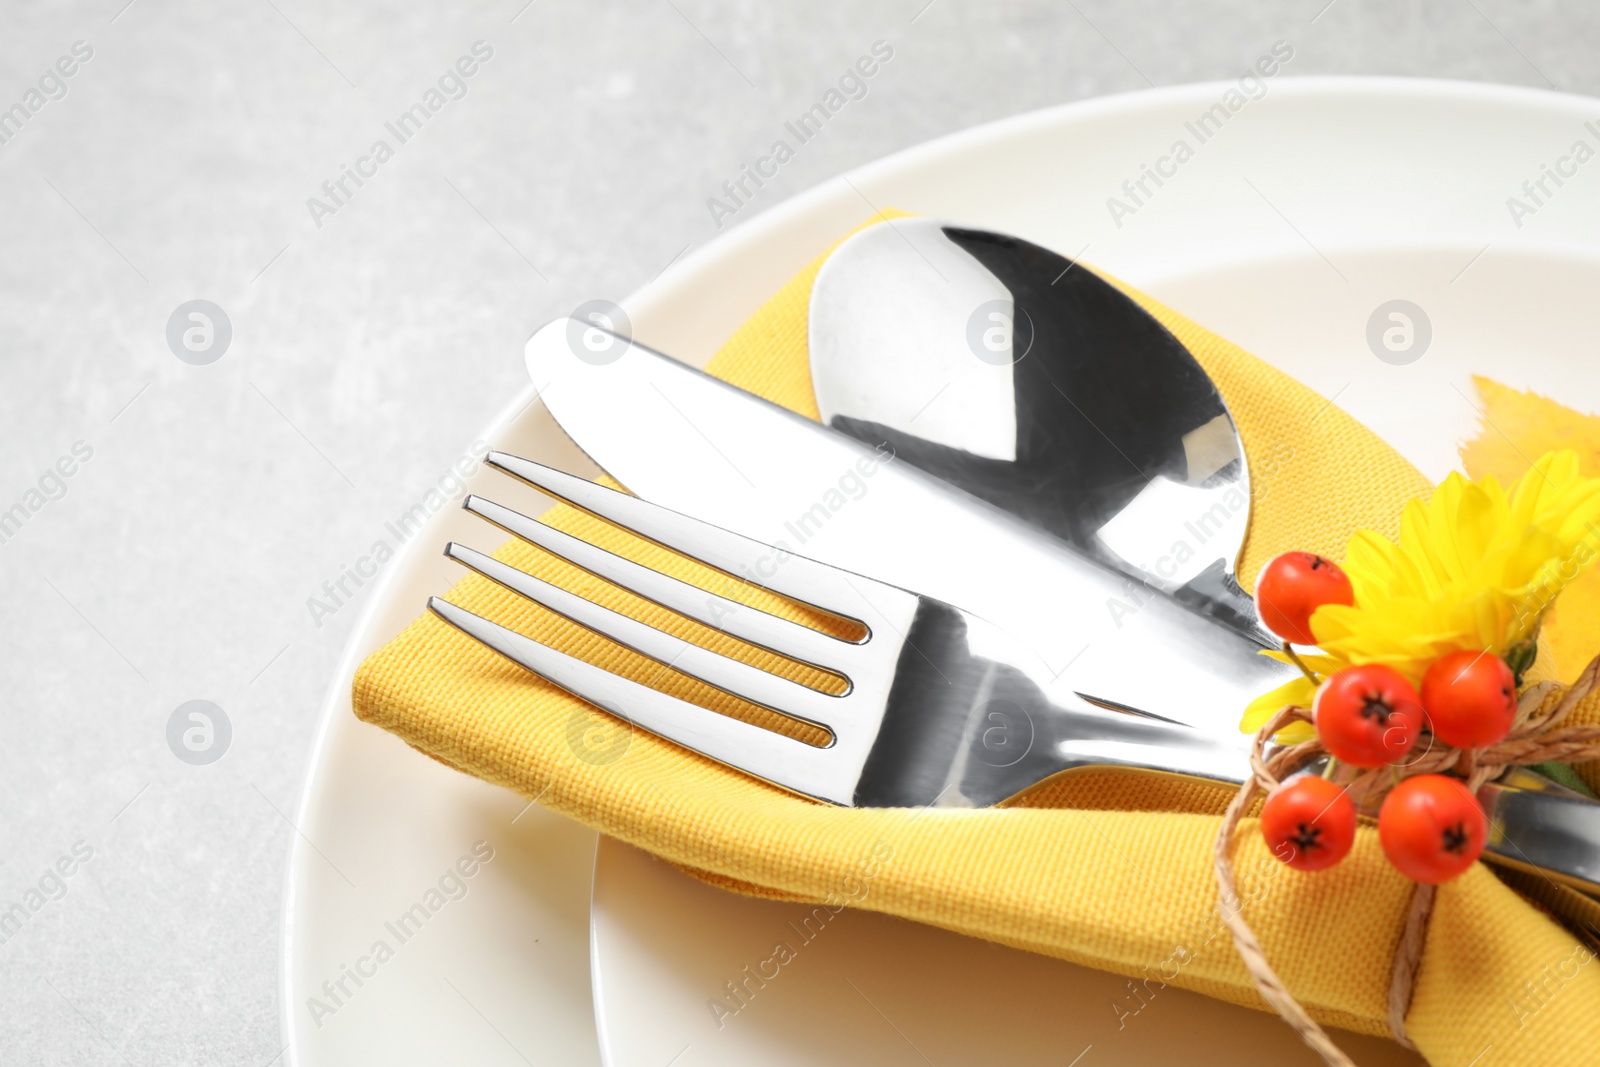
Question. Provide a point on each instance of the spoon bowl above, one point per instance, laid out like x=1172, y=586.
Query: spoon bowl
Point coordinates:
x=1025, y=379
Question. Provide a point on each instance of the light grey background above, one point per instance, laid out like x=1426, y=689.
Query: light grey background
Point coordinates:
x=368, y=352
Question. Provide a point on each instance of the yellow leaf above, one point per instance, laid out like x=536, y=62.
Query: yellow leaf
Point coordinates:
x=1518, y=425
x=1297, y=691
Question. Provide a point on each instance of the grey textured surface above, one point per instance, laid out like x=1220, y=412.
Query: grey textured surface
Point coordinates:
x=178, y=561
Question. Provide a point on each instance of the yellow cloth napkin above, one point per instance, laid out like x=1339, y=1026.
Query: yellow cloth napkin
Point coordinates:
x=1103, y=869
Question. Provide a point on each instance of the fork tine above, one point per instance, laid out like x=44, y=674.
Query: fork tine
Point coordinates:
x=781, y=760
x=729, y=616
x=729, y=675
x=767, y=566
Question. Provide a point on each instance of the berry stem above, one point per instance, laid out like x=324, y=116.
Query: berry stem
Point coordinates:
x=1330, y=769
x=1288, y=650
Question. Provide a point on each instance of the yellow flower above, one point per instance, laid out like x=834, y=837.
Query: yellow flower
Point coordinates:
x=1476, y=567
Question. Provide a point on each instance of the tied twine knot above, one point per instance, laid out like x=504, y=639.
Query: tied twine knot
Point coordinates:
x=1534, y=738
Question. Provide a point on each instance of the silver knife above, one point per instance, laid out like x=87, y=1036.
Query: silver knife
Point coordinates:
x=693, y=443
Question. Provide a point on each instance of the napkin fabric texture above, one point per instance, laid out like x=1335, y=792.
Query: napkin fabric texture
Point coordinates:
x=1105, y=869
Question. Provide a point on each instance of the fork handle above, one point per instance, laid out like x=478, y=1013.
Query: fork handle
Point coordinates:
x=981, y=731
x=1532, y=827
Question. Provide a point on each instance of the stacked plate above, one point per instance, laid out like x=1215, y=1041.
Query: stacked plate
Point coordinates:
x=1381, y=240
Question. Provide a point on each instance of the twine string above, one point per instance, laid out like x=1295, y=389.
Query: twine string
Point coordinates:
x=1536, y=736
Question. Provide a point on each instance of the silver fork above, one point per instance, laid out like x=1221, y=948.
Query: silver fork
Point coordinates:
x=942, y=707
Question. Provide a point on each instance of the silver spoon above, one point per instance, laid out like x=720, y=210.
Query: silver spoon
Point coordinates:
x=1012, y=374
x=1009, y=372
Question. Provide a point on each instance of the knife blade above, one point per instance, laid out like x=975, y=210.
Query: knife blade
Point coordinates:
x=691, y=442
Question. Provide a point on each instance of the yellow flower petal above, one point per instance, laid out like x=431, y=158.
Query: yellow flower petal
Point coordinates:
x=1297, y=691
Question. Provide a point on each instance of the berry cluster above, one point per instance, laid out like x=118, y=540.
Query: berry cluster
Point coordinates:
x=1430, y=825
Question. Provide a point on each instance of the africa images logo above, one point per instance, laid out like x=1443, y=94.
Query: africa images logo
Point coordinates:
x=1252, y=85
x=452, y=85
x=851, y=86
x=52, y=86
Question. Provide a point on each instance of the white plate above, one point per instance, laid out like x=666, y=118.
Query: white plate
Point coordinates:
x=499, y=976
x=1286, y=232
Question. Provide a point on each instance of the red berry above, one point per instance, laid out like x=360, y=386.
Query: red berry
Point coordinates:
x=1294, y=585
x=1432, y=828
x=1367, y=716
x=1309, y=823
x=1470, y=698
